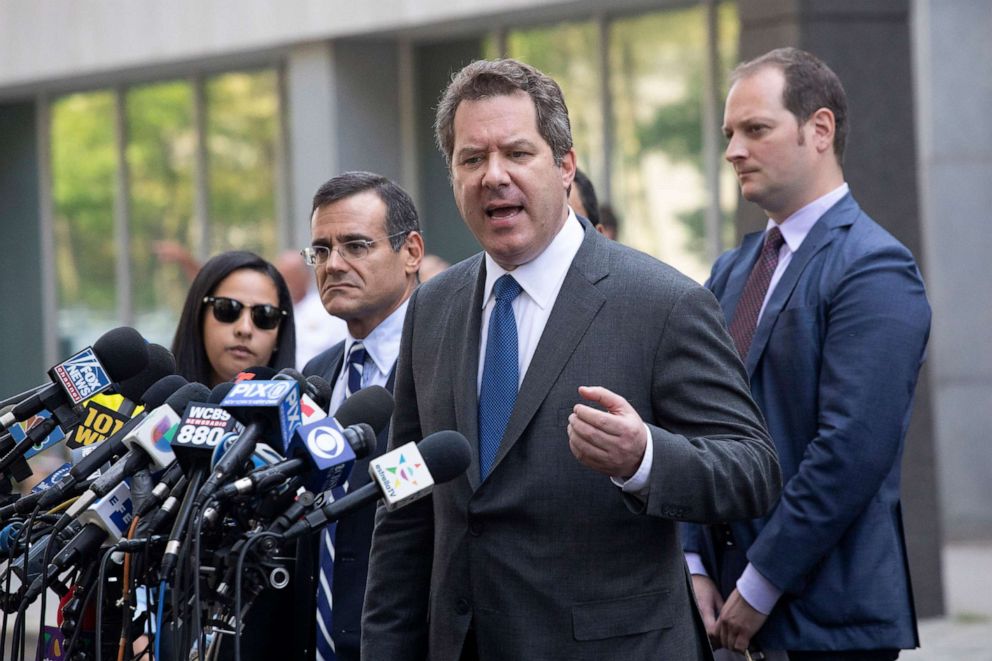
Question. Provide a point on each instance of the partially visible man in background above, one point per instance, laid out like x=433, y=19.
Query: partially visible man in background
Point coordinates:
x=366, y=250
x=829, y=314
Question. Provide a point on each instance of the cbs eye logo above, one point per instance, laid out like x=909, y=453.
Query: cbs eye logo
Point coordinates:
x=325, y=443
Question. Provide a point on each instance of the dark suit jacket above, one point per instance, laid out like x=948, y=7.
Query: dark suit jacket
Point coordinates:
x=545, y=558
x=833, y=366
x=352, y=540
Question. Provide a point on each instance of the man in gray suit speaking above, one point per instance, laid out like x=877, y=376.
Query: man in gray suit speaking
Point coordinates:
x=560, y=541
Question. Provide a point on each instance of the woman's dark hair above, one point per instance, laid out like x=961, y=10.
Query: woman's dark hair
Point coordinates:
x=191, y=356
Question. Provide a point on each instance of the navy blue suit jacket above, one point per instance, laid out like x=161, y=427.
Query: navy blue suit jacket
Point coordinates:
x=833, y=366
x=353, y=538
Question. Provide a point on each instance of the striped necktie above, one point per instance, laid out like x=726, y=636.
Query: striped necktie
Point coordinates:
x=745, y=320
x=354, y=367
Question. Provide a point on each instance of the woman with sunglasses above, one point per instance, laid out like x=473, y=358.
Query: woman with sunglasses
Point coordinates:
x=238, y=314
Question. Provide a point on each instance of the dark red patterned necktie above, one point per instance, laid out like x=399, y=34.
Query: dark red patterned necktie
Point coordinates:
x=745, y=319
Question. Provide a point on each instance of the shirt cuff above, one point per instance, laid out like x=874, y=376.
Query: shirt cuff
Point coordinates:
x=638, y=484
x=695, y=563
x=757, y=590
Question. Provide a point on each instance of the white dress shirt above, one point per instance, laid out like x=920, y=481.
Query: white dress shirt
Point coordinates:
x=756, y=590
x=540, y=280
x=382, y=348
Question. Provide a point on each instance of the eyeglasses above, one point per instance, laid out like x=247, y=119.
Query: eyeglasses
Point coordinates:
x=228, y=310
x=350, y=251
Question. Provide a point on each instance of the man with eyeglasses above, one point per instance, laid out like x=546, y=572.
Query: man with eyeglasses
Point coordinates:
x=365, y=250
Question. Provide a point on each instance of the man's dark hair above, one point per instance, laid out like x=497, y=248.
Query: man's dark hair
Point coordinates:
x=809, y=85
x=588, y=196
x=488, y=78
x=401, y=214
x=608, y=218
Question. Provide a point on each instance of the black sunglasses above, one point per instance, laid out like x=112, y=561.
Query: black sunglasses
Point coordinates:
x=228, y=310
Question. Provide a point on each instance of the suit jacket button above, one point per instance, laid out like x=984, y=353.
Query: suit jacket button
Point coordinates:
x=462, y=606
x=475, y=528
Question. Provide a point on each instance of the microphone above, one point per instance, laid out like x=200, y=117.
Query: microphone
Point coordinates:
x=313, y=398
x=372, y=405
x=28, y=572
x=269, y=409
x=14, y=400
x=117, y=355
x=108, y=518
x=329, y=460
x=74, y=381
x=161, y=363
x=320, y=391
x=147, y=445
x=202, y=428
x=107, y=412
x=103, y=414
x=160, y=491
x=175, y=492
x=401, y=476
x=256, y=373
x=322, y=449
x=153, y=398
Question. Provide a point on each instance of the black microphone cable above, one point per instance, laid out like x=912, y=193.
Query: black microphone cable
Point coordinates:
x=104, y=561
x=19, y=639
x=87, y=597
x=239, y=566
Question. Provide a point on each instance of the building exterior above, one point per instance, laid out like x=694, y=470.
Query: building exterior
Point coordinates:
x=128, y=129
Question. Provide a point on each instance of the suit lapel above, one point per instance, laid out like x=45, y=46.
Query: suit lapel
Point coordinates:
x=573, y=311
x=335, y=367
x=463, y=330
x=820, y=235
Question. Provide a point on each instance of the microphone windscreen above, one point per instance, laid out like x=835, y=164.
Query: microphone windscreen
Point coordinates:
x=372, y=405
x=219, y=392
x=256, y=373
x=159, y=391
x=191, y=392
x=161, y=363
x=446, y=454
x=123, y=353
x=320, y=391
x=294, y=375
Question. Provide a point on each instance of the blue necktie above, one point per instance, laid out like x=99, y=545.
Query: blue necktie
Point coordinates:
x=355, y=366
x=500, y=374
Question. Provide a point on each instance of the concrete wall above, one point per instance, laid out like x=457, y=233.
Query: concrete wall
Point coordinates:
x=344, y=114
x=953, y=64
x=21, y=352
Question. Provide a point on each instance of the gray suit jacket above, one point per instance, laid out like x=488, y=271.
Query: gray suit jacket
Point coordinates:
x=545, y=558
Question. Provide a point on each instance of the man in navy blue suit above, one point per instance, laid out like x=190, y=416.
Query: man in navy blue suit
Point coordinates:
x=829, y=314
x=366, y=250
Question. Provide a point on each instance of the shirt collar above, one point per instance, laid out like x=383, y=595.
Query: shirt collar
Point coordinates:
x=540, y=276
x=795, y=228
x=383, y=344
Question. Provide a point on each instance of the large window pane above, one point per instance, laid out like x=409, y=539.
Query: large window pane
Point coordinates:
x=569, y=53
x=161, y=155
x=657, y=66
x=84, y=161
x=728, y=37
x=242, y=134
